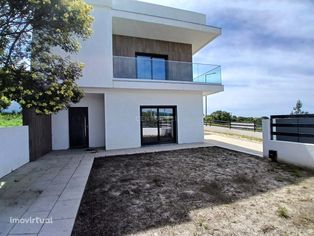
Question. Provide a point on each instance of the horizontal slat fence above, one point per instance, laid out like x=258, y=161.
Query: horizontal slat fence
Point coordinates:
x=293, y=128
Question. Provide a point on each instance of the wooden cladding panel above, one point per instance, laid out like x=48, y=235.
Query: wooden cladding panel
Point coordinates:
x=127, y=46
x=40, y=139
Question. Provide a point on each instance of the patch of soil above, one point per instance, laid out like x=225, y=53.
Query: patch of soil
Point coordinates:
x=200, y=191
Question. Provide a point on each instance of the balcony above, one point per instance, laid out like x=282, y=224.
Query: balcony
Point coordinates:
x=160, y=69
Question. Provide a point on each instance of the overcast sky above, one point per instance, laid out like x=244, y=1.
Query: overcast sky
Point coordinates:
x=266, y=51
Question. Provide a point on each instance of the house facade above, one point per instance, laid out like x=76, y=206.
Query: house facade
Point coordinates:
x=141, y=86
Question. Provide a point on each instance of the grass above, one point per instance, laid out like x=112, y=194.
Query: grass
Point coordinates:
x=8, y=119
x=283, y=212
x=296, y=173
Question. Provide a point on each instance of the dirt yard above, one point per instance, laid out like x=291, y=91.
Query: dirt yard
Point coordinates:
x=202, y=191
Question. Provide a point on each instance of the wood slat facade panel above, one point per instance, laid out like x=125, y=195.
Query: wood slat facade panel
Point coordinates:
x=40, y=139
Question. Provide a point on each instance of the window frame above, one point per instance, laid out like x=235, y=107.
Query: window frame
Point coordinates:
x=175, y=138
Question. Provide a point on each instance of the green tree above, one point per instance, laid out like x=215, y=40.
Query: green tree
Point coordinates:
x=30, y=72
x=297, y=110
x=221, y=115
x=4, y=102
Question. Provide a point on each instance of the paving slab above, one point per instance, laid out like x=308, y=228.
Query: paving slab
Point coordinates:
x=30, y=228
x=65, y=209
x=58, y=228
x=43, y=203
x=5, y=228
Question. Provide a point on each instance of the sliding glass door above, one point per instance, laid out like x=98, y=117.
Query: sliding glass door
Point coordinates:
x=151, y=67
x=158, y=125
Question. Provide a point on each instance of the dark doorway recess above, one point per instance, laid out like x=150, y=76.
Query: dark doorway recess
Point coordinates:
x=158, y=124
x=78, y=127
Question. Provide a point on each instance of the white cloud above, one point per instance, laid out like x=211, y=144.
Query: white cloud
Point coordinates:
x=266, y=51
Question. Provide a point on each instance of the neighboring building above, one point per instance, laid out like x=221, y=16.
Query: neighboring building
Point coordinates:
x=140, y=83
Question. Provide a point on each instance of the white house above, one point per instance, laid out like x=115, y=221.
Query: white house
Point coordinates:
x=140, y=83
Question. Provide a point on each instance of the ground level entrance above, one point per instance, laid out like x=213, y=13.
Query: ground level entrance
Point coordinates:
x=78, y=127
x=158, y=124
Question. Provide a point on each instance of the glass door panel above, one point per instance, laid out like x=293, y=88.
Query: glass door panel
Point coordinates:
x=144, y=67
x=159, y=68
x=166, y=125
x=149, y=117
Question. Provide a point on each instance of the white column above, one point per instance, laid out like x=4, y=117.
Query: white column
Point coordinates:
x=266, y=136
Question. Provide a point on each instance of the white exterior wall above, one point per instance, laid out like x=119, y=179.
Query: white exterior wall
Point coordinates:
x=60, y=130
x=14, y=146
x=96, y=126
x=96, y=52
x=299, y=154
x=123, y=115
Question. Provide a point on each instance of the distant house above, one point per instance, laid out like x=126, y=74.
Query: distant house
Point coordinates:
x=140, y=84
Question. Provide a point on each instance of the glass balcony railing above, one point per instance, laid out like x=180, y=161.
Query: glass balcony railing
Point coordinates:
x=148, y=68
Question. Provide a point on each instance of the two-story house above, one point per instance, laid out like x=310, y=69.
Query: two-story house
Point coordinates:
x=141, y=86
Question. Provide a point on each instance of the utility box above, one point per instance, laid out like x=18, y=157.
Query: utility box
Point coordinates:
x=272, y=154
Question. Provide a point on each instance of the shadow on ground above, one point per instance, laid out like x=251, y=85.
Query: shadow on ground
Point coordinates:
x=129, y=194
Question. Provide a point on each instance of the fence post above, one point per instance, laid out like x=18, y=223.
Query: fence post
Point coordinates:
x=254, y=126
x=229, y=124
x=266, y=130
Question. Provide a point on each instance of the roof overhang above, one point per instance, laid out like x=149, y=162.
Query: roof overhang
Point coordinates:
x=161, y=28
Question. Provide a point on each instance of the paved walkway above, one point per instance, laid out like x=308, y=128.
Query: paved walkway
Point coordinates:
x=241, y=145
x=50, y=188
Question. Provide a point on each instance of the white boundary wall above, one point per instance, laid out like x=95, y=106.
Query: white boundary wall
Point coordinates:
x=14, y=148
x=299, y=154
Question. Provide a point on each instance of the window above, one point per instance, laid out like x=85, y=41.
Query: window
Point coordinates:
x=151, y=66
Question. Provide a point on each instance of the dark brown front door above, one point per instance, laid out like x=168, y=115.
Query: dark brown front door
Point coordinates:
x=78, y=127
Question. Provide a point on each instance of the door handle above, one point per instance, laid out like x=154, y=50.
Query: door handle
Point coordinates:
x=86, y=127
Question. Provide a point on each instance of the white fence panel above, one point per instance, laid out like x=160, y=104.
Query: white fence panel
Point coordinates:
x=14, y=148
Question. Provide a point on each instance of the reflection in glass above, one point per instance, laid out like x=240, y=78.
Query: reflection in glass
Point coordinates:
x=149, y=67
x=158, y=125
x=149, y=125
x=166, y=124
x=144, y=67
x=159, y=68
